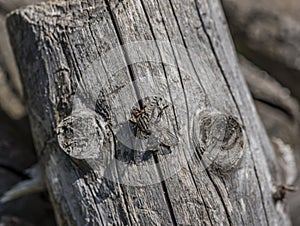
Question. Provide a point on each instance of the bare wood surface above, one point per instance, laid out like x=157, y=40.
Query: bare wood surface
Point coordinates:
x=16, y=147
x=54, y=45
x=267, y=33
x=11, y=94
x=279, y=112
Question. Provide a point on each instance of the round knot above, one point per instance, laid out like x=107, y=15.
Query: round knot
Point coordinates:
x=81, y=135
x=219, y=138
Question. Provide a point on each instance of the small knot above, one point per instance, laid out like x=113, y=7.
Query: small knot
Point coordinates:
x=82, y=134
x=219, y=139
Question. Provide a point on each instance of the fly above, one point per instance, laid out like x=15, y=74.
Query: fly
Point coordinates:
x=147, y=125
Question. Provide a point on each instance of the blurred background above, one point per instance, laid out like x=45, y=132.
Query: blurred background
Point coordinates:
x=266, y=34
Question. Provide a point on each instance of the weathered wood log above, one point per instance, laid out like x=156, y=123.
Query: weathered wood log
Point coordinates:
x=268, y=33
x=279, y=112
x=11, y=95
x=16, y=147
x=70, y=59
x=280, y=115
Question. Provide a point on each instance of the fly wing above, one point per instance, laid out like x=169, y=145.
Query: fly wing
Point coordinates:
x=165, y=136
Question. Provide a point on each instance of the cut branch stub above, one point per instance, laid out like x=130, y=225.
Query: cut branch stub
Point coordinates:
x=82, y=135
x=219, y=140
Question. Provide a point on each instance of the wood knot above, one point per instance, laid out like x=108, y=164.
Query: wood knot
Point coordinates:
x=219, y=139
x=82, y=134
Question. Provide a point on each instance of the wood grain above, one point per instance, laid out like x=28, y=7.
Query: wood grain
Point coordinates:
x=68, y=50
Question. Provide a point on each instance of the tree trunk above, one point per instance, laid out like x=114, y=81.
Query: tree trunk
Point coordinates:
x=192, y=152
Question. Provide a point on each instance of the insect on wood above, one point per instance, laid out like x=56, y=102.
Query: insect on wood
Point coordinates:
x=281, y=190
x=147, y=125
x=145, y=132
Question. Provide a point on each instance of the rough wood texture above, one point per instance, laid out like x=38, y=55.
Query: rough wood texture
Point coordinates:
x=279, y=112
x=268, y=33
x=16, y=146
x=278, y=109
x=280, y=115
x=11, y=94
x=56, y=47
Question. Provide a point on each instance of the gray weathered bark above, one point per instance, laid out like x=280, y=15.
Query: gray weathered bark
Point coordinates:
x=62, y=50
